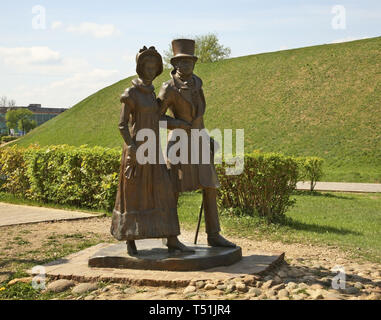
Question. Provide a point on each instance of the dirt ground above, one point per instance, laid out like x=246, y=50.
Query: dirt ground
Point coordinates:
x=306, y=274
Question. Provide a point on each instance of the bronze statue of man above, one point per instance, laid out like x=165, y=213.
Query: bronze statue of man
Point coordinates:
x=184, y=97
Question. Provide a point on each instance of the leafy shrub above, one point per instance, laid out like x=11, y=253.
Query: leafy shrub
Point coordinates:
x=8, y=139
x=13, y=177
x=83, y=176
x=310, y=169
x=88, y=177
x=264, y=187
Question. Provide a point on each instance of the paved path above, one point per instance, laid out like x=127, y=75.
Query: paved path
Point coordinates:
x=342, y=186
x=11, y=214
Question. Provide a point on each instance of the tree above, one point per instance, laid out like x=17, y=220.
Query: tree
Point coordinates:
x=208, y=49
x=4, y=102
x=25, y=125
x=20, y=118
x=11, y=119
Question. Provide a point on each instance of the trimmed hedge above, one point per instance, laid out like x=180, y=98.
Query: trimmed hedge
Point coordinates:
x=89, y=177
x=13, y=178
x=264, y=187
x=84, y=177
x=6, y=139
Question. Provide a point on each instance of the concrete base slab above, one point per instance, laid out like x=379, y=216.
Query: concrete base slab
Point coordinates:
x=154, y=255
x=75, y=267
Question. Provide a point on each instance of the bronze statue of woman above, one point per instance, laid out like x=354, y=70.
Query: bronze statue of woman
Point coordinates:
x=145, y=205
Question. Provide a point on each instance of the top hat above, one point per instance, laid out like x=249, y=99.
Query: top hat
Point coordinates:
x=151, y=51
x=183, y=48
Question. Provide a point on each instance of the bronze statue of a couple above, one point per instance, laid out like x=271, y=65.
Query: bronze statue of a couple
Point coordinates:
x=146, y=202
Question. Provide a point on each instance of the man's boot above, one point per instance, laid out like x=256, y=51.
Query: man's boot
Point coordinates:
x=216, y=240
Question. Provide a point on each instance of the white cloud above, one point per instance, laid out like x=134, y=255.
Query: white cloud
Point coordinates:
x=29, y=56
x=66, y=92
x=59, y=81
x=129, y=58
x=94, y=29
x=40, y=60
x=56, y=25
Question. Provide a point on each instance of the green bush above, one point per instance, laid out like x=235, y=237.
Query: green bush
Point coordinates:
x=264, y=187
x=88, y=177
x=13, y=178
x=84, y=177
x=310, y=169
x=8, y=139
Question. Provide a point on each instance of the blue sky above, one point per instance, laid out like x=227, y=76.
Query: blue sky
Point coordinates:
x=87, y=45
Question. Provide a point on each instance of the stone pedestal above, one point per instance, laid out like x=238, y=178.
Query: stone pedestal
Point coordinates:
x=153, y=255
x=76, y=267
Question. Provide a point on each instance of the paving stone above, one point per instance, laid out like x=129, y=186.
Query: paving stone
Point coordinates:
x=282, y=274
x=359, y=285
x=166, y=293
x=22, y=280
x=255, y=292
x=60, y=285
x=279, y=287
x=210, y=286
x=277, y=280
x=241, y=287
x=315, y=294
x=283, y=293
x=250, y=280
x=333, y=296
x=291, y=285
x=129, y=291
x=351, y=290
x=267, y=284
x=85, y=287
x=230, y=288
x=302, y=286
x=189, y=289
x=317, y=286
x=374, y=296
x=309, y=278
x=271, y=293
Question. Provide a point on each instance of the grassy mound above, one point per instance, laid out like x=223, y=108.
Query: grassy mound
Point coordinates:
x=323, y=101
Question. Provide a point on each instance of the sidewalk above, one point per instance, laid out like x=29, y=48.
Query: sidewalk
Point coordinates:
x=342, y=186
x=11, y=214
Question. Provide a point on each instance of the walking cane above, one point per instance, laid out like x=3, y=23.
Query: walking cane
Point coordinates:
x=199, y=221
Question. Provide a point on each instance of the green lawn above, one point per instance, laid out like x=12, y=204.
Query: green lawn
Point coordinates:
x=317, y=101
x=350, y=221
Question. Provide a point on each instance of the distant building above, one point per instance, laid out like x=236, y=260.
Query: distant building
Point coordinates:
x=40, y=115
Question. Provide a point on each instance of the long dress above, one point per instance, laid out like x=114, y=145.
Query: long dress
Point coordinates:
x=145, y=205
